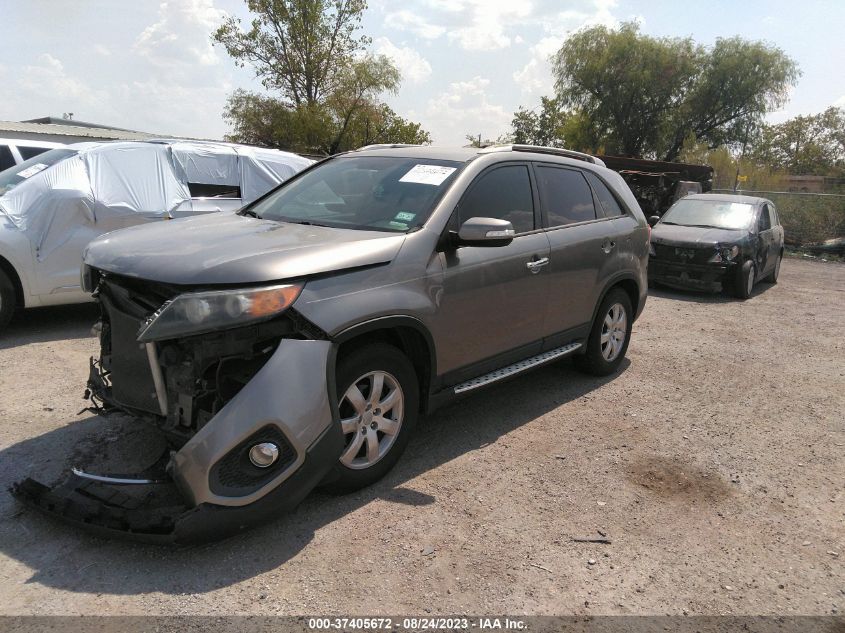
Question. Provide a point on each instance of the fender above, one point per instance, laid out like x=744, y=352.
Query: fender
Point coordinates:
x=615, y=279
x=391, y=322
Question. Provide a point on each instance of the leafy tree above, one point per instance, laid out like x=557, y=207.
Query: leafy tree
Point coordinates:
x=545, y=127
x=805, y=145
x=642, y=96
x=310, y=54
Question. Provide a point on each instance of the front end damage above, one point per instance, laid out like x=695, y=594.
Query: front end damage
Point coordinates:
x=214, y=396
x=692, y=267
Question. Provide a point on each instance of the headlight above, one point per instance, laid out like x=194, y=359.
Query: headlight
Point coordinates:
x=729, y=252
x=198, y=312
x=724, y=254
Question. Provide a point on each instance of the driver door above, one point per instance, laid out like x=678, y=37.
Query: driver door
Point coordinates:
x=494, y=298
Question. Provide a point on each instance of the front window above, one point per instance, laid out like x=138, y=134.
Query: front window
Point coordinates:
x=716, y=214
x=11, y=178
x=378, y=193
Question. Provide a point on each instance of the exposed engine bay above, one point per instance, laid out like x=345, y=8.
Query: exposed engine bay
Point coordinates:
x=180, y=385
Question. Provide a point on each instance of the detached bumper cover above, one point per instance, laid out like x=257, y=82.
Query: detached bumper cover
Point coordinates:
x=708, y=277
x=157, y=513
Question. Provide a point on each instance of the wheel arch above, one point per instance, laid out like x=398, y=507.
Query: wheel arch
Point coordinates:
x=629, y=285
x=406, y=333
x=10, y=271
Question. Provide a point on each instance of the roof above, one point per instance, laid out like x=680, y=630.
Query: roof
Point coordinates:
x=727, y=197
x=73, y=130
x=57, y=121
x=461, y=154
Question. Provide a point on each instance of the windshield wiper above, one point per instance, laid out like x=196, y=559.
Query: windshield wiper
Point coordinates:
x=248, y=212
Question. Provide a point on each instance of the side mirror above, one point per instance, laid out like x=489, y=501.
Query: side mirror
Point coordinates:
x=654, y=219
x=486, y=232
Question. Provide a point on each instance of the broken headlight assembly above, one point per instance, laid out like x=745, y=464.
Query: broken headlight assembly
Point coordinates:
x=724, y=254
x=200, y=312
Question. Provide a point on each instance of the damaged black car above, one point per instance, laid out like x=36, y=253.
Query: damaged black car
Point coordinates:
x=713, y=242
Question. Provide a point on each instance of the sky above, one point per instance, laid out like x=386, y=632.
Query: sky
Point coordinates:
x=467, y=65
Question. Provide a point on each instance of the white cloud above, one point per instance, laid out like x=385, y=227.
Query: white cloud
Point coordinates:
x=535, y=78
x=406, y=20
x=47, y=80
x=413, y=66
x=465, y=109
x=840, y=102
x=101, y=50
x=182, y=33
x=488, y=22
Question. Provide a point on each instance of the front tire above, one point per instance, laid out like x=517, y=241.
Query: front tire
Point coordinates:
x=609, y=338
x=746, y=275
x=378, y=401
x=7, y=300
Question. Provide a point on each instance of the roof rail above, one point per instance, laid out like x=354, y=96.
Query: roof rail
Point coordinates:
x=387, y=146
x=538, y=149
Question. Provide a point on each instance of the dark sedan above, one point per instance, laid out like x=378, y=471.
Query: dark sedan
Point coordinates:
x=714, y=241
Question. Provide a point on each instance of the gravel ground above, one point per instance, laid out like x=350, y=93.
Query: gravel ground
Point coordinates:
x=713, y=462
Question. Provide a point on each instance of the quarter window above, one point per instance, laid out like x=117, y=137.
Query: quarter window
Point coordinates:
x=566, y=196
x=503, y=193
x=608, y=202
x=28, y=152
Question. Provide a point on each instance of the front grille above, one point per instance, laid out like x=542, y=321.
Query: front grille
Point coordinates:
x=683, y=254
x=235, y=475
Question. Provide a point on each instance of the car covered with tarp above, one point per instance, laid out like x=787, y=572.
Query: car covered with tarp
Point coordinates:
x=52, y=205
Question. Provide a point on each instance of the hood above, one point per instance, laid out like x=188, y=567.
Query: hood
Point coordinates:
x=225, y=248
x=695, y=235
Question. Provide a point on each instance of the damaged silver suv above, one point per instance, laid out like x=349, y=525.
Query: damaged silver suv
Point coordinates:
x=295, y=343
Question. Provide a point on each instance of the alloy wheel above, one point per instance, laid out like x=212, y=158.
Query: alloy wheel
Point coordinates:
x=613, y=332
x=371, y=412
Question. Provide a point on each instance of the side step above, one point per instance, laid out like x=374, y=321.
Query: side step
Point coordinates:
x=516, y=368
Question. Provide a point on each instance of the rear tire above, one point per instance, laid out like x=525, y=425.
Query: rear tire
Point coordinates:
x=7, y=300
x=745, y=277
x=378, y=398
x=610, y=335
x=772, y=278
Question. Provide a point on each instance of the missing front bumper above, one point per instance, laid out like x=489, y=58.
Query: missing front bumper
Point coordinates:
x=157, y=513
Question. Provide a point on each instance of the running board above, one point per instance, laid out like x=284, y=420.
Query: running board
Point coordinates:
x=516, y=368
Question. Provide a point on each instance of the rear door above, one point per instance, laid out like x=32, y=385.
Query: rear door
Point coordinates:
x=585, y=238
x=493, y=303
x=764, y=255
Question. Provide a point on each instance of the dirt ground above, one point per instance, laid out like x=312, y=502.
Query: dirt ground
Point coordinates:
x=713, y=462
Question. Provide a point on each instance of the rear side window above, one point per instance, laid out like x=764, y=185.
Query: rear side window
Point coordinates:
x=31, y=152
x=764, y=223
x=6, y=158
x=773, y=216
x=503, y=193
x=202, y=190
x=565, y=195
x=608, y=202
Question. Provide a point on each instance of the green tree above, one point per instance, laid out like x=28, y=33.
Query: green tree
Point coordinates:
x=805, y=145
x=322, y=82
x=642, y=96
x=545, y=127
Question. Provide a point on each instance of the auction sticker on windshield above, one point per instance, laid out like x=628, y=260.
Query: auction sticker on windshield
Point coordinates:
x=31, y=170
x=427, y=174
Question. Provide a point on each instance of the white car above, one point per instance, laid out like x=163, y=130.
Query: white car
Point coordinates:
x=15, y=151
x=53, y=204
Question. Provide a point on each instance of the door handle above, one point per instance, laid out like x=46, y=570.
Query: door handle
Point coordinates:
x=608, y=245
x=537, y=264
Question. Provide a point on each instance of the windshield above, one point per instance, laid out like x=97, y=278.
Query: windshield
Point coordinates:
x=362, y=192
x=718, y=214
x=12, y=177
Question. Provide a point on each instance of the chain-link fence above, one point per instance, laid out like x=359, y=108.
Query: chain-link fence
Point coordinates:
x=812, y=221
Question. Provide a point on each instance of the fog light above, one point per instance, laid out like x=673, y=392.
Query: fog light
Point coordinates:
x=264, y=455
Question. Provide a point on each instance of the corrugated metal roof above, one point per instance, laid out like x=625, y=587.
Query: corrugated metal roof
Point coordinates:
x=74, y=130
